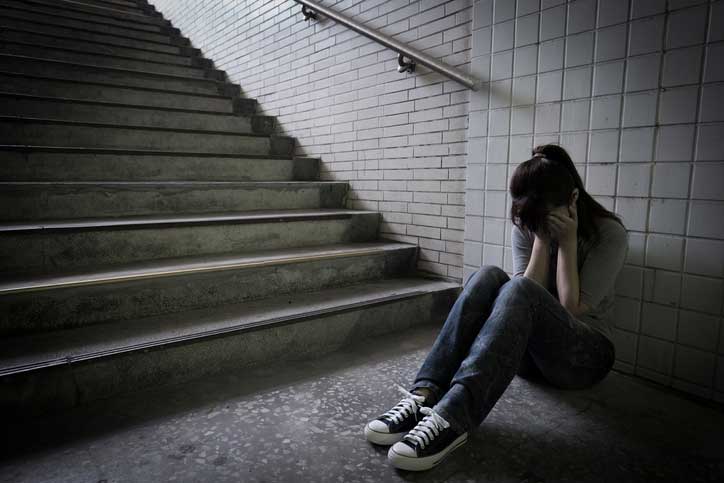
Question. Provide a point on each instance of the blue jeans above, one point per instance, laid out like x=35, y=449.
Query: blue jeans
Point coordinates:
x=500, y=327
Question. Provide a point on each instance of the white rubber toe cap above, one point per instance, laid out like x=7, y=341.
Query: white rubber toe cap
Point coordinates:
x=401, y=449
x=378, y=426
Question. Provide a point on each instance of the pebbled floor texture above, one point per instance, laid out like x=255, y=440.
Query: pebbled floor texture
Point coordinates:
x=302, y=420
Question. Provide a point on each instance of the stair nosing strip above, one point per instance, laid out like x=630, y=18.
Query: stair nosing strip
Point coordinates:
x=135, y=127
x=113, y=56
x=78, y=7
x=120, y=69
x=35, y=32
x=170, y=184
x=210, y=334
x=91, y=281
x=70, y=100
x=133, y=5
x=166, y=222
x=146, y=152
x=103, y=84
x=97, y=22
x=34, y=21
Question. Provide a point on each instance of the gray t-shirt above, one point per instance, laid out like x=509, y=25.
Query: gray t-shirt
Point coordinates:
x=598, y=267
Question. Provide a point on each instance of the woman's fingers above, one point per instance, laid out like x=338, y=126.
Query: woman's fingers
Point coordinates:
x=555, y=225
x=556, y=220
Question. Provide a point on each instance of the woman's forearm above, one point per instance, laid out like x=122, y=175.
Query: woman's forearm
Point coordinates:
x=567, y=277
x=537, y=268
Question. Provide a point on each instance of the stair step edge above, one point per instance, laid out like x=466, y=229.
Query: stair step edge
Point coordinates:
x=119, y=104
x=79, y=7
x=81, y=29
x=141, y=152
x=72, y=14
x=121, y=86
x=250, y=216
x=104, y=55
x=135, y=127
x=58, y=36
x=144, y=270
x=118, y=69
x=168, y=184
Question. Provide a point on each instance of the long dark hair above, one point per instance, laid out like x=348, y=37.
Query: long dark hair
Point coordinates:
x=548, y=178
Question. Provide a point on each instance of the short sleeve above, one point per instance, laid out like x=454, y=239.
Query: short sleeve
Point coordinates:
x=603, y=264
x=521, y=248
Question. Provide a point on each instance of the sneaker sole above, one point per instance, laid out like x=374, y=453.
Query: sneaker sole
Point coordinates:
x=420, y=464
x=384, y=439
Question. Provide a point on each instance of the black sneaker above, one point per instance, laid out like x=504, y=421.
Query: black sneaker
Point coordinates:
x=394, y=424
x=427, y=444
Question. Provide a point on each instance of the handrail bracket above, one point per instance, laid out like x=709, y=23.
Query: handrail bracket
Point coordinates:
x=308, y=13
x=405, y=66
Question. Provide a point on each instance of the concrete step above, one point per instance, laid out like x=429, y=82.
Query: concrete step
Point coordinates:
x=47, y=372
x=49, y=51
x=162, y=35
x=35, y=163
x=57, y=69
x=28, y=131
x=129, y=11
x=29, y=36
x=125, y=6
x=22, y=105
x=33, y=304
x=52, y=247
x=91, y=13
x=15, y=20
x=133, y=96
x=45, y=201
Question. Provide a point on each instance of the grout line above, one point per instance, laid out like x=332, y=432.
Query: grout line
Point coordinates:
x=692, y=164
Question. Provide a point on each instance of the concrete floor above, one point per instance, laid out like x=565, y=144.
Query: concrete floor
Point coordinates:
x=303, y=422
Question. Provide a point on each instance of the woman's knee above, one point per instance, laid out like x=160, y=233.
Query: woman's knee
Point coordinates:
x=518, y=287
x=486, y=274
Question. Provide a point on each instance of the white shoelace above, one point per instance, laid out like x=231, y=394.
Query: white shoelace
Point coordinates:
x=406, y=406
x=428, y=428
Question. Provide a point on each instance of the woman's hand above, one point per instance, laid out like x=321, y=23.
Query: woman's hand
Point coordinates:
x=563, y=224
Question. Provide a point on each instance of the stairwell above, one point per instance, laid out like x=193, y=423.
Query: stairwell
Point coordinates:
x=154, y=229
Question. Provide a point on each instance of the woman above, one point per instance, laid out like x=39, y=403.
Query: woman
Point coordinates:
x=552, y=320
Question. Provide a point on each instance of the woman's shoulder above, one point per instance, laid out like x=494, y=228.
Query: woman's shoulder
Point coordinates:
x=522, y=233
x=610, y=230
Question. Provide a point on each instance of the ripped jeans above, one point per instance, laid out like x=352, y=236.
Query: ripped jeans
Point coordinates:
x=500, y=327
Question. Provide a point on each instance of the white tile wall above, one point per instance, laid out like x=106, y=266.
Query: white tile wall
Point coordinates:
x=668, y=216
x=634, y=90
x=611, y=43
x=671, y=180
x=659, y=321
x=708, y=181
x=646, y=35
x=682, y=66
x=608, y=78
x=698, y=330
x=667, y=287
x=642, y=72
x=695, y=366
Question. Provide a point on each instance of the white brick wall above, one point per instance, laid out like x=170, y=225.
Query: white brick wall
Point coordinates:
x=399, y=139
x=634, y=91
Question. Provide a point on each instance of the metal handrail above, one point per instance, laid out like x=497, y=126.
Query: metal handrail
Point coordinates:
x=402, y=49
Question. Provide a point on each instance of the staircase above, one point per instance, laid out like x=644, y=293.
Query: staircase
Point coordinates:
x=154, y=229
